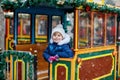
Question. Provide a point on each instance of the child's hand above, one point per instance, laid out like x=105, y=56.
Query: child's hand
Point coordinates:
x=51, y=59
x=56, y=58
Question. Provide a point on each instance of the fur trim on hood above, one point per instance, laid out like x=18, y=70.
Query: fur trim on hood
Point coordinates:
x=64, y=41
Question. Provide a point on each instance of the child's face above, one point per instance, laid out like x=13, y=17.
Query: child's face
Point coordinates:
x=57, y=37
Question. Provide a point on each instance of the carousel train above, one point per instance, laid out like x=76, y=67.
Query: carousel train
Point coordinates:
x=95, y=36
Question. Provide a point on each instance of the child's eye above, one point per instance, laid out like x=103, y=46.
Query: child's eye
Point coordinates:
x=58, y=35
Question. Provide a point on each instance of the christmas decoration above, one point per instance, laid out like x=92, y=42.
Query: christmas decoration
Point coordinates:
x=25, y=56
x=12, y=5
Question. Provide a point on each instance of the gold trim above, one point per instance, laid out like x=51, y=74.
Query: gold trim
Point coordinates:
x=15, y=70
x=11, y=67
x=100, y=1
x=51, y=72
x=11, y=43
x=118, y=60
x=76, y=29
x=92, y=28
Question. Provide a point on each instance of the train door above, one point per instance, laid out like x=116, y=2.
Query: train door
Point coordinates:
x=32, y=30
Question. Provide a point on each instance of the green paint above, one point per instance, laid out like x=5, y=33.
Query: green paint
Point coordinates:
x=97, y=53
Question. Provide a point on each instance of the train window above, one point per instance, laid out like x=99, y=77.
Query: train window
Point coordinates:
x=98, y=37
x=55, y=21
x=84, y=29
x=70, y=28
x=41, y=24
x=110, y=31
x=24, y=24
x=24, y=28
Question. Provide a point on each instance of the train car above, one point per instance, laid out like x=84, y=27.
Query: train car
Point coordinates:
x=42, y=20
x=94, y=45
x=95, y=40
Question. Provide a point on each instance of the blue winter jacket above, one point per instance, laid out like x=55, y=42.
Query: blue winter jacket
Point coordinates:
x=62, y=51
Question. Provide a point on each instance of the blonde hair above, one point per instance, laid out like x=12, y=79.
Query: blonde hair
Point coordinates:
x=57, y=33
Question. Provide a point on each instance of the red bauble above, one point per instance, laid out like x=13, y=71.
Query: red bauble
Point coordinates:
x=87, y=8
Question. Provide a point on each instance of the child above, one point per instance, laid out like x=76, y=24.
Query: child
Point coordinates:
x=58, y=46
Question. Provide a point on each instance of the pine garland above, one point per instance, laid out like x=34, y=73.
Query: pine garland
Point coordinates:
x=12, y=5
x=26, y=56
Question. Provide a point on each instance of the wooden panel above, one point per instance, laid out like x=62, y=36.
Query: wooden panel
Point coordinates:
x=61, y=73
x=94, y=68
x=42, y=65
x=19, y=71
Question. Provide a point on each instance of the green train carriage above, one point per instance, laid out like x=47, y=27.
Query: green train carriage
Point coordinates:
x=95, y=46
x=95, y=34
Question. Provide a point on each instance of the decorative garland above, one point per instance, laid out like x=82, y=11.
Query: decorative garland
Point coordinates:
x=21, y=55
x=11, y=5
x=102, y=8
x=2, y=68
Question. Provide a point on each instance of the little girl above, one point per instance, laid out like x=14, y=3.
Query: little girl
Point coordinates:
x=58, y=46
